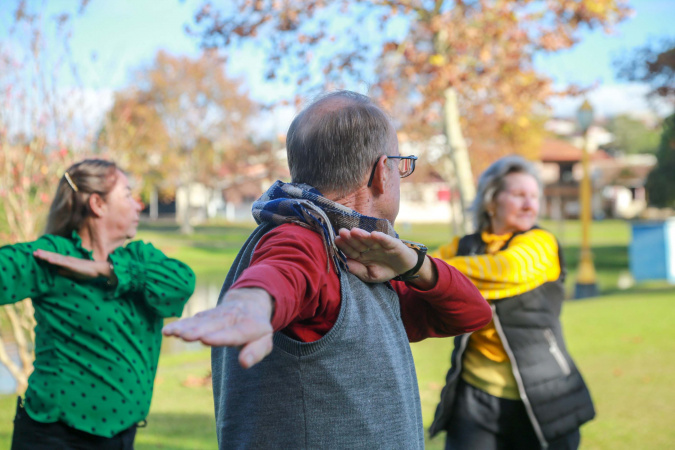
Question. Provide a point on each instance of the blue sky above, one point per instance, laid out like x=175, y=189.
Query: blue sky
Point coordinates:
x=591, y=60
x=113, y=38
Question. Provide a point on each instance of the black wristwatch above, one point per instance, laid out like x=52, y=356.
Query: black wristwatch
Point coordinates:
x=421, y=250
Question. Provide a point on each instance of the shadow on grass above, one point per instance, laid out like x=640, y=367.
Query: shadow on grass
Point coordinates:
x=437, y=443
x=642, y=288
x=610, y=262
x=6, y=435
x=7, y=410
x=605, y=258
x=217, y=247
x=170, y=431
x=163, y=227
x=160, y=227
x=178, y=431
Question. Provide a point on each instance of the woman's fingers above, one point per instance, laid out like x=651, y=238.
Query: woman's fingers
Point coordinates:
x=70, y=266
x=44, y=255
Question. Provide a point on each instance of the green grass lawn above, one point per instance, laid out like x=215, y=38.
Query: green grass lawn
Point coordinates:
x=623, y=343
x=209, y=251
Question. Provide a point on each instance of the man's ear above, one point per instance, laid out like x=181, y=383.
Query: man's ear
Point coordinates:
x=96, y=205
x=380, y=175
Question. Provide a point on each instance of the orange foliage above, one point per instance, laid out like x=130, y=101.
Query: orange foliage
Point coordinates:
x=483, y=49
x=186, y=121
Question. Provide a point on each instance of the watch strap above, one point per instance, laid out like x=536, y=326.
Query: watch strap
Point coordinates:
x=421, y=255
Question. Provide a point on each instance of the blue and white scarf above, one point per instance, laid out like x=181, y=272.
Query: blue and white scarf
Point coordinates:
x=305, y=206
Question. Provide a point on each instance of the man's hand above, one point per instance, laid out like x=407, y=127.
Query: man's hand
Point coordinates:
x=77, y=268
x=377, y=257
x=241, y=320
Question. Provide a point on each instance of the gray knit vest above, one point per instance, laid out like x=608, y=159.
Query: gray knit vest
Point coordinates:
x=354, y=388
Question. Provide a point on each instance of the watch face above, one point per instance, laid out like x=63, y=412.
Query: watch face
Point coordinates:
x=415, y=245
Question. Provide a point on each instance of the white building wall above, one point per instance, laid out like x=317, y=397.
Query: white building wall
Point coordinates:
x=420, y=204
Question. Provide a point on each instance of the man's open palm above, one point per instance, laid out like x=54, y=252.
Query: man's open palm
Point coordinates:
x=242, y=319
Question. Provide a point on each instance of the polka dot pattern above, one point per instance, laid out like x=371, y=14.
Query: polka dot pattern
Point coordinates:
x=97, y=347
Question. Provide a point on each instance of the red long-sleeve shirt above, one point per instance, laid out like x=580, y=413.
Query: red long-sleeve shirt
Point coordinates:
x=290, y=261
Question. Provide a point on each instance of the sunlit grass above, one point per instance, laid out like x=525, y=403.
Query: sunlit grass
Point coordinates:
x=623, y=345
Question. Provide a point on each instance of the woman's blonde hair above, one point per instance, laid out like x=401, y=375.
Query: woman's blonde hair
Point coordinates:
x=70, y=206
x=491, y=183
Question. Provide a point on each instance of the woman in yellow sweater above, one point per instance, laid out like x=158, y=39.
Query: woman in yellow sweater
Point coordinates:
x=512, y=384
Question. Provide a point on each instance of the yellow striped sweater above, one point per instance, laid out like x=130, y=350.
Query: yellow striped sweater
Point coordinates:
x=530, y=260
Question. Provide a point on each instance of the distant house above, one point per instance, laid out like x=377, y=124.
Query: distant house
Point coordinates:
x=561, y=172
x=568, y=130
x=623, y=184
x=426, y=197
x=230, y=198
x=617, y=183
x=427, y=200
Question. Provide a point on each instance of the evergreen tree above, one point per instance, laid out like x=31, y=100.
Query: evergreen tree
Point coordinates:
x=661, y=180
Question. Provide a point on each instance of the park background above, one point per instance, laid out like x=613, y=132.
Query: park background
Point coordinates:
x=201, y=132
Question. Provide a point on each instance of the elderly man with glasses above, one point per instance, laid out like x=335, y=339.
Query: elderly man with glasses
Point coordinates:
x=311, y=333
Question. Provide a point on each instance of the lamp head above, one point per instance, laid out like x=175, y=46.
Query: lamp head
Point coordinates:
x=585, y=116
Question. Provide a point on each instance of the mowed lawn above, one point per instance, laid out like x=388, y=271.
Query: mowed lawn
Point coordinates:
x=623, y=343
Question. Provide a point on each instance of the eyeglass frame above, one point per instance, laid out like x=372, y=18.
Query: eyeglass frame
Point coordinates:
x=412, y=158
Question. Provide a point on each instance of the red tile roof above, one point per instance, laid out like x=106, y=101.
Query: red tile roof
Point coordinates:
x=557, y=150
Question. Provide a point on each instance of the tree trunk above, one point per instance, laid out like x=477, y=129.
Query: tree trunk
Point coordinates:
x=183, y=209
x=448, y=171
x=154, y=204
x=459, y=156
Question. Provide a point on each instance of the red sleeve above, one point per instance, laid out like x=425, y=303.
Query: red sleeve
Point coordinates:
x=454, y=306
x=289, y=262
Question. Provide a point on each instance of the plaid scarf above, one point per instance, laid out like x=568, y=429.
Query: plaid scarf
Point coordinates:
x=305, y=206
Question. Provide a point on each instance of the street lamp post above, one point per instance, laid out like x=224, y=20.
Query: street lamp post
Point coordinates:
x=586, y=280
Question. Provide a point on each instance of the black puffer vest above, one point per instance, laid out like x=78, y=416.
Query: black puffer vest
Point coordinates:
x=555, y=396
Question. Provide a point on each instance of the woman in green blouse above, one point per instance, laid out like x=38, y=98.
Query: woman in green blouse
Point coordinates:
x=99, y=307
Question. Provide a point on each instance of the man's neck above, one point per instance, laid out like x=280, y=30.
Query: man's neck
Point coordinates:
x=360, y=201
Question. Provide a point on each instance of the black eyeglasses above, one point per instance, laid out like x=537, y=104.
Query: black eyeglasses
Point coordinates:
x=406, y=166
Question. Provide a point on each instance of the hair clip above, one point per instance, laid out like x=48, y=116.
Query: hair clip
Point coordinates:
x=71, y=182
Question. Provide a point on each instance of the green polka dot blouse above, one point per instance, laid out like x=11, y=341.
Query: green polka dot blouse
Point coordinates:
x=97, y=346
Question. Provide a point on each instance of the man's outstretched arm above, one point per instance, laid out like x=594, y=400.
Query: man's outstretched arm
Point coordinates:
x=244, y=316
x=242, y=319
x=440, y=302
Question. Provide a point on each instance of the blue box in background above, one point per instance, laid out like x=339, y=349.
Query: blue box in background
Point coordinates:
x=651, y=253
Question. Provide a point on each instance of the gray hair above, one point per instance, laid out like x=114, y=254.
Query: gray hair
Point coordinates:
x=491, y=183
x=334, y=142
x=70, y=206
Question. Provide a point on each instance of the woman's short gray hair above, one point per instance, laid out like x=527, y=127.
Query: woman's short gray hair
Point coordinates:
x=491, y=183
